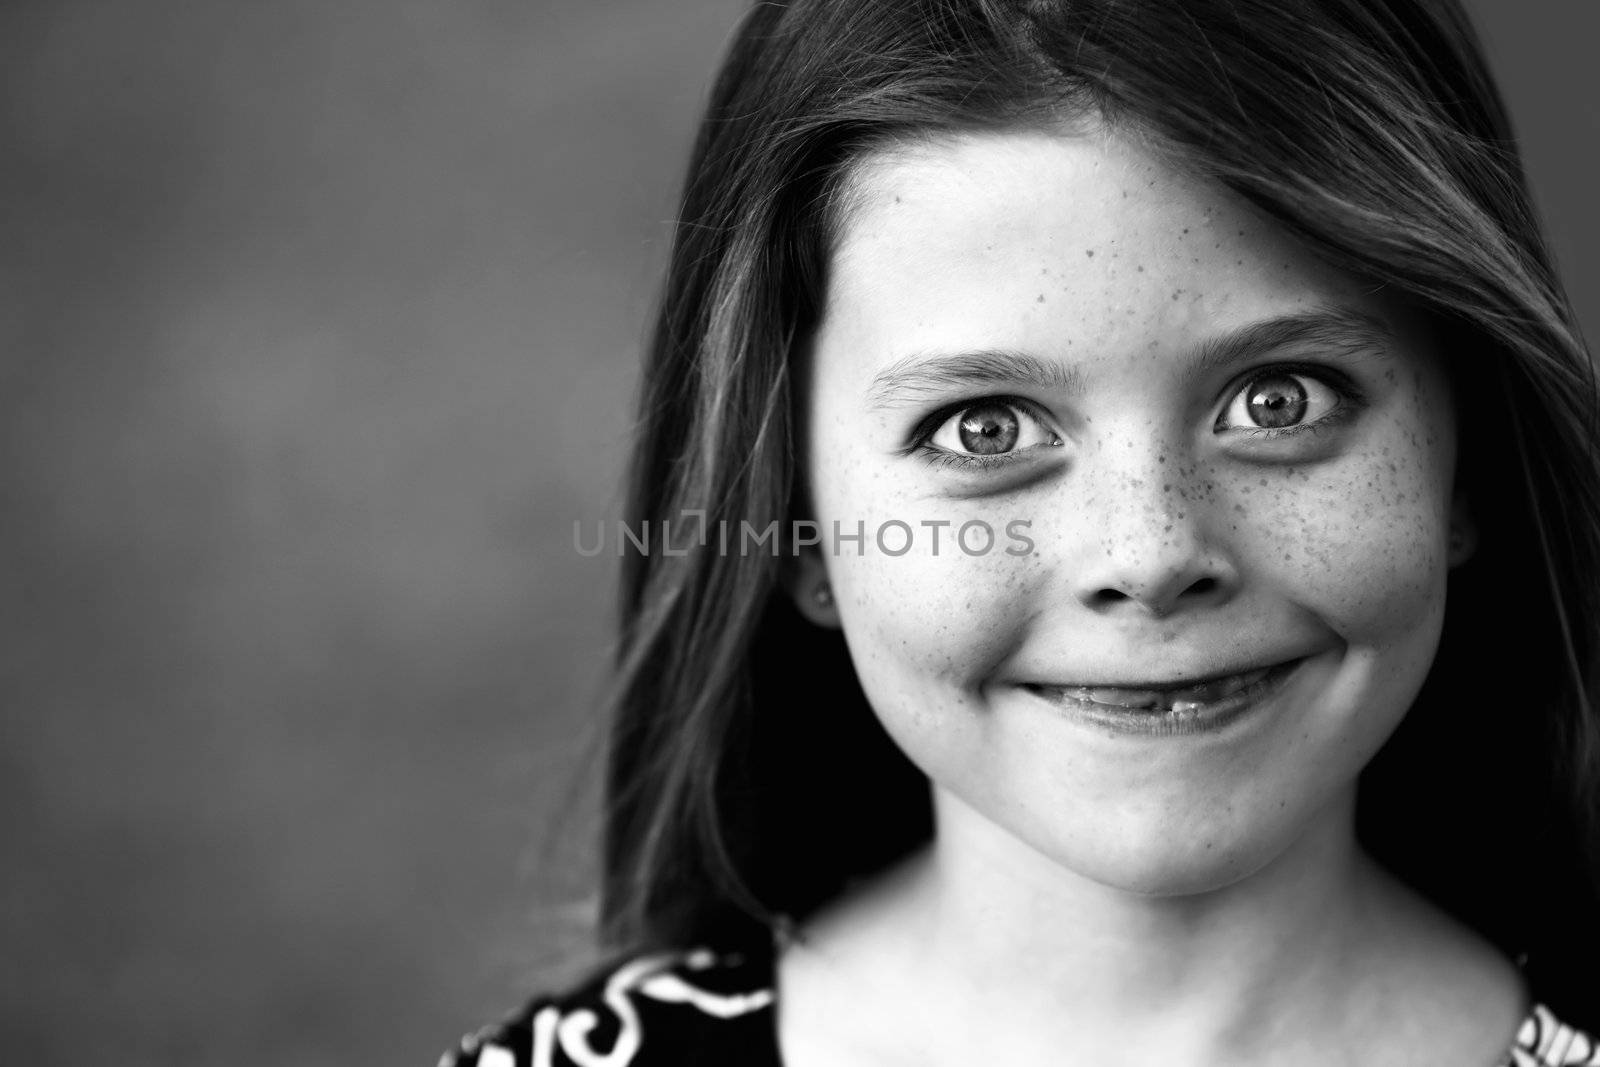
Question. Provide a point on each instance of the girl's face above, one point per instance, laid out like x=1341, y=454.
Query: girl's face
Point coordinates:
x=1218, y=475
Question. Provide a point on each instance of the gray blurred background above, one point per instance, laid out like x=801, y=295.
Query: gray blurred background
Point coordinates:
x=320, y=323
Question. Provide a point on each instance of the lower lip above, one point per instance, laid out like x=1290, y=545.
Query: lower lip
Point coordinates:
x=1192, y=719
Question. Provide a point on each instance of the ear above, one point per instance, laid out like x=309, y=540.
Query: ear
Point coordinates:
x=1463, y=532
x=807, y=582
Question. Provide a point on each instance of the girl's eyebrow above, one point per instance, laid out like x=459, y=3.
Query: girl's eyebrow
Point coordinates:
x=1344, y=331
x=923, y=375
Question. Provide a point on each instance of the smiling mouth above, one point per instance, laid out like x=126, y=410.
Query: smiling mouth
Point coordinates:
x=1206, y=703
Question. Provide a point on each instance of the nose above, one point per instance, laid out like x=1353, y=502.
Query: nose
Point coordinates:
x=1146, y=543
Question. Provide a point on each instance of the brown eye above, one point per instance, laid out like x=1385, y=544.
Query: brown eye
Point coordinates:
x=988, y=429
x=1279, y=400
x=1275, y=400
x=992, y=427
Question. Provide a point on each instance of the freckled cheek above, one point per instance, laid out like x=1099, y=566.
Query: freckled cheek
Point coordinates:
x=1361, y=546
x=945, y=619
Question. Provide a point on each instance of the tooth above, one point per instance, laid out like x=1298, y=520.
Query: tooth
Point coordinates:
x=1127, y=698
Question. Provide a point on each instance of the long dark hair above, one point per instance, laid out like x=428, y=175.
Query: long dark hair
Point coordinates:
x=748, y=779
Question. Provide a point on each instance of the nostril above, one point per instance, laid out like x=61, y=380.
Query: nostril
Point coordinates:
x=1161, y=597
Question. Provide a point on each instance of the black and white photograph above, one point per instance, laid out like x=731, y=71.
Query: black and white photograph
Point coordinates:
x=800, y=533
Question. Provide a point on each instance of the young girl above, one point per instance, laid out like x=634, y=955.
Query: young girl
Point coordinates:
x=1142, y=609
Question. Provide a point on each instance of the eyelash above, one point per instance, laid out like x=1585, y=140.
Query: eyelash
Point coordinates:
x=962, y=461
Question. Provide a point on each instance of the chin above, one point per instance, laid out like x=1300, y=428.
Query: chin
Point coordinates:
x=1182, y=876
x=1177, y=861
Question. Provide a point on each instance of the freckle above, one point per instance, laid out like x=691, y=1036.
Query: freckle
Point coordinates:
x=1186, y=229
x=1040, y=300
x=1140, y=268
x=1089, y=252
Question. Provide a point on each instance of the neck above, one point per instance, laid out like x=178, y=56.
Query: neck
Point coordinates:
x=1197, y=970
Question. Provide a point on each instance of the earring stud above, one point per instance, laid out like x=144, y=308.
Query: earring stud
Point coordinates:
x=823, y=595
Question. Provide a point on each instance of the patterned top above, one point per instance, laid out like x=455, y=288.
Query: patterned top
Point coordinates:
x=699, y=1008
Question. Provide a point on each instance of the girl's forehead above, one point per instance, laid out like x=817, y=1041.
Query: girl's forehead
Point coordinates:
x=1044, y=241
x=1006, y=193
x=937, y=164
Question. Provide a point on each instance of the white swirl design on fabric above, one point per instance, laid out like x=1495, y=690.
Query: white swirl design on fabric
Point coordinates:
x=574, y=1030
x=544, y=1036
x=649, y=976
x=672, y=989
x=496, y=1056
x=1545, y=1041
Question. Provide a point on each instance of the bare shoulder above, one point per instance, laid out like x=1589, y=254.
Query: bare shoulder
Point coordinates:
x=1445, y=993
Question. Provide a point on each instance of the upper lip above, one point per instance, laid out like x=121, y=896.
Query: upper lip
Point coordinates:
x=1157, y=685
